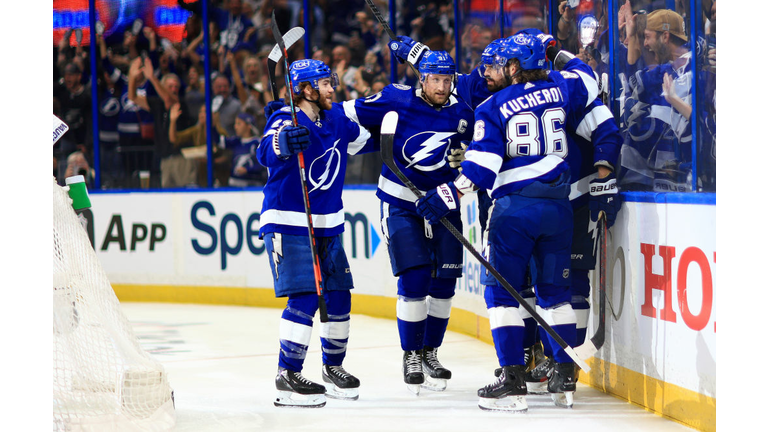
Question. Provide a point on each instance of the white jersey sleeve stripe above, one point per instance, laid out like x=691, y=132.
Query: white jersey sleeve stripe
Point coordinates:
x=396, y=190
x=350, y=111
x=534, y=170
x=487, y=160
x=299, y=219
x=591, y=121
x=590, y=84
x=358, y=144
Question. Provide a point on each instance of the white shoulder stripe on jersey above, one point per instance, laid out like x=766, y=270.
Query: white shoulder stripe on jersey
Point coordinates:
x=590, y=84
x=396, y=190
x=591, y=121
x=490, y=161
x=299, y=219
x=528, y=172
x=350, y=111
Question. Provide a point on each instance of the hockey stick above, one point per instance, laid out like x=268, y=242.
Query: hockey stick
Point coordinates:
x=303, y=172
x=290, y=38
x=390, y=33
x=590, y=346
x=388, y=126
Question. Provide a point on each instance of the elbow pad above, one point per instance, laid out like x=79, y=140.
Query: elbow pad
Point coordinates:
x=561, y=58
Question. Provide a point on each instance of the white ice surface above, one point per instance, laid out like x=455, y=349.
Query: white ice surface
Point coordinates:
x=221, y=362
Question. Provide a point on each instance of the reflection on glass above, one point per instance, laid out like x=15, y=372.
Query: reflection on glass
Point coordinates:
x=655, y=100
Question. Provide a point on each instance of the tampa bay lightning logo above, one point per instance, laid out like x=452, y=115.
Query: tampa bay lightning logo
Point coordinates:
x=324, y=169
x=426, y=151
x=300, y=64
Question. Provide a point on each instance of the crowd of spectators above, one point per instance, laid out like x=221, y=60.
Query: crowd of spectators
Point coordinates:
x=151, y=91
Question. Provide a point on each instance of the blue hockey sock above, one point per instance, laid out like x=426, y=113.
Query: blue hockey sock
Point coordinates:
x=296, y=331
x=508, y=332
x=334, y=334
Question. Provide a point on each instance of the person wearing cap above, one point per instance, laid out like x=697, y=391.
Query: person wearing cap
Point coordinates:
x=665, y=35
x=246, y=170
x=657, y=108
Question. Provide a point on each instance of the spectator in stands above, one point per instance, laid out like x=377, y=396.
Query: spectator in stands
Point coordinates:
x=224, y=103
x=341, y=59
x=175, y=170
x=246, y=171
x=194, y=92
x=75, y=102
x=195, y=136
x=77, y=164
x=250, y=88
x=235, y=26
x=366, y=75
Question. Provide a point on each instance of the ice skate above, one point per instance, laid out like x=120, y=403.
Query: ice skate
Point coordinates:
x=412, y=372
x=562, y=384
x=537, y=378
x=507, y=393
x=293, y=390
x=436, y=376
x=341, y=384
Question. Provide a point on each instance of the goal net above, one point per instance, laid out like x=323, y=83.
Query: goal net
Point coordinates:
x=102, y=379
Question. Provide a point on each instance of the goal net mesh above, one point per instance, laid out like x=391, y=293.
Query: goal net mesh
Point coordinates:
x=102, y=379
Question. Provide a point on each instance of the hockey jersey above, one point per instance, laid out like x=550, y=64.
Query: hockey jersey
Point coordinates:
x=332, y=138
x=521, y=132
x=244, y=156
x=424, y=135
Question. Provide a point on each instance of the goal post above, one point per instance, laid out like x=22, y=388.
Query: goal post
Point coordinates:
x=102, y=378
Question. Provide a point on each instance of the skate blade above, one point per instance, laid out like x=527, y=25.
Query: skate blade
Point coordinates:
x=335, y=392
x=297, y=400
x=414, y=388
x=537, y=388
x=563, y=400
x=434, y=384
x=509, y=403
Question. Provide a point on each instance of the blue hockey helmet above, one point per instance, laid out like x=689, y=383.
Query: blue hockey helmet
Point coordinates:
x=527, y=49
x=489, y=52
x=437, y=63
x=311, y=71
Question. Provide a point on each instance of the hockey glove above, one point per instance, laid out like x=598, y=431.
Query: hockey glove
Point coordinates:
x=407, y=49
x=272, y=107
x=457, y=156
x=292, y=140
x=438, y=202
x=604, y=198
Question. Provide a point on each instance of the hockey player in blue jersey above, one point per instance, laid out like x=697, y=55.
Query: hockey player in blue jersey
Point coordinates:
x=426, y=259
x=593, y=191
x=326, y=137
x=518, y=154
x=588, y=200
